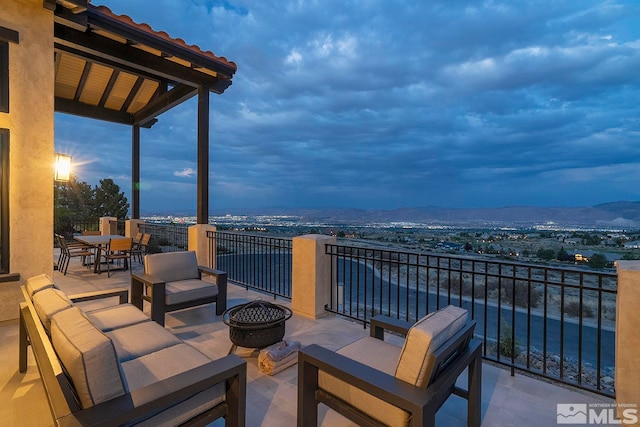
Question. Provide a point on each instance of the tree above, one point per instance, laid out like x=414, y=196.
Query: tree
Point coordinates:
x=597, y=261
x=563, y=255
x=73, y=203
x=109, y=200
x=468, y=247
x=546, y=254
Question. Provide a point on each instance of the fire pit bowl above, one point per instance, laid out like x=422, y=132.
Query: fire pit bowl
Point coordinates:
x=256, y=324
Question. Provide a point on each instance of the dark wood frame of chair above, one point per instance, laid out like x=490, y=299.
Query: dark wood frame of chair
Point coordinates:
x=452, y=358
x=145, y=287
x=139, y=404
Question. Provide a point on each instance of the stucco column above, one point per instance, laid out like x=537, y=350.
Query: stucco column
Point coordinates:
x=311, y=276
x=132, y=227
x=627, y=335
x=199, y=242
x=105, y=225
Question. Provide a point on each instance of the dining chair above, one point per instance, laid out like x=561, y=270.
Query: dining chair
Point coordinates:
x=67, y=252
x=118, y=249
x=139, y=250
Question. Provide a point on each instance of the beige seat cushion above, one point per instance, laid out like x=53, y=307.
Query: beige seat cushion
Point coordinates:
x=37, y=283
x=140, y=339
x=163, y=364
x=172, y=266
x=114, y=317
x=416, y=361
x=189, y=290
x=88, y=357
x=379, y=355
x=48, y=302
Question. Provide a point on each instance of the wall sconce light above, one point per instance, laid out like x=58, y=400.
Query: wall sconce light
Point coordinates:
x=63, y=168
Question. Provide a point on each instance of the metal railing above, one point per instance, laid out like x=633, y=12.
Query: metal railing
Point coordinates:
x=166, y=237
x=553, y=322
x=258, y=262
x=69, y=228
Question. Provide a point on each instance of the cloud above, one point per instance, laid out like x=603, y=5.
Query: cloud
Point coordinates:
x=425, y=103
x=188, y=173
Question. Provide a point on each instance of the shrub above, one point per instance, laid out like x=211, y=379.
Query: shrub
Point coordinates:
x=522, y=297
x=572, y=308
x=508, y=347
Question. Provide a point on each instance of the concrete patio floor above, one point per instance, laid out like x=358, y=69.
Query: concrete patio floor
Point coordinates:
x=271, y=400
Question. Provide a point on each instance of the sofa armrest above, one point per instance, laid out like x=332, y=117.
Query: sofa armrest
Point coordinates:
x=381, y=323
x=153, y=399
x=121, y=293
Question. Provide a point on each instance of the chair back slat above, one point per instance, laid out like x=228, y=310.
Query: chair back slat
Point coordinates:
x=119, y=245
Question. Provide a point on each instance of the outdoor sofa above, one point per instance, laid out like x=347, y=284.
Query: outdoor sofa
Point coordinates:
x=114, y=366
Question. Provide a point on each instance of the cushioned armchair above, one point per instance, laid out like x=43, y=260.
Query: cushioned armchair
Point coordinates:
x=375, y=383
x=173, y=281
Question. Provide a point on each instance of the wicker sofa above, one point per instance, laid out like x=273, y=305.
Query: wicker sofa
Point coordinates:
x=114, y=366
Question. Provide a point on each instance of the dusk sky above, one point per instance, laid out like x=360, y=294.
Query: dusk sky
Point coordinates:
x=385, y=104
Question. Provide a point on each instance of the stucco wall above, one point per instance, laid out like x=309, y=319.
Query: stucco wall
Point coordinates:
x=30, y=122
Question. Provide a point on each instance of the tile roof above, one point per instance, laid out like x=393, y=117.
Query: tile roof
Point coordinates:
x=125, y=19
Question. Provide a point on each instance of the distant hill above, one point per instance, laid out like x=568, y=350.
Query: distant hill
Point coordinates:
x=620, y=214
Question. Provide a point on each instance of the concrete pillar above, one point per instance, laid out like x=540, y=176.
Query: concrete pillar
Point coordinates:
x=199, y=242
x=132, y=227
x=108, y=225
x=311, y=276
x=627, y=378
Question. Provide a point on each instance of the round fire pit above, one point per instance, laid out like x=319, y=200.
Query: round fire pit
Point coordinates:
x=256, y=324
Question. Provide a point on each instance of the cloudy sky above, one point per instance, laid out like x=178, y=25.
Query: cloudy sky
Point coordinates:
x=385, y=104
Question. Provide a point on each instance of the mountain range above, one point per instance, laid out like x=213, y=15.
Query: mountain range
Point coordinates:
x=622, y=214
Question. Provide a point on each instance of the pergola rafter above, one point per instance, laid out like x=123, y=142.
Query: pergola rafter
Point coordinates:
x=110, y=68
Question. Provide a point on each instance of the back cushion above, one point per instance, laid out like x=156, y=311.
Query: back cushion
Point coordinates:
x=38, y=283
x=48, y=302
x=172, y=266
x=416, y=359
x=88, y=357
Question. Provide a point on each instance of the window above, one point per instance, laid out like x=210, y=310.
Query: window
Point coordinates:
x=4, y=201
x=4, y=77
x=6, y=36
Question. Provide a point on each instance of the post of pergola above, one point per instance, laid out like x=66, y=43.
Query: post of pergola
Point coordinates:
x=135, y=172
x=203, y=156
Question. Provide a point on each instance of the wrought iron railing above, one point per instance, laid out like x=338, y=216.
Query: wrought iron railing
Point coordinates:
x=166, y=237
x=258, y=262
x=557, y=323
x=69, y=228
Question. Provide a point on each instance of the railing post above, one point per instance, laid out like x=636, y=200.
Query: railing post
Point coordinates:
x=199, y=242
x=311, y=275
x=106, y=227
x=132, y=226
x=627, y=352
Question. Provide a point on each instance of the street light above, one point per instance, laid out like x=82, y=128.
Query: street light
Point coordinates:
x=62, y=168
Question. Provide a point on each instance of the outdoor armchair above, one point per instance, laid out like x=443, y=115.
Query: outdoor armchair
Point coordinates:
x=173, y=281
x=375, y=383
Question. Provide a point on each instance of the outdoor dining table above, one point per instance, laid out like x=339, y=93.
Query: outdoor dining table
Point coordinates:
x=98, y=242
